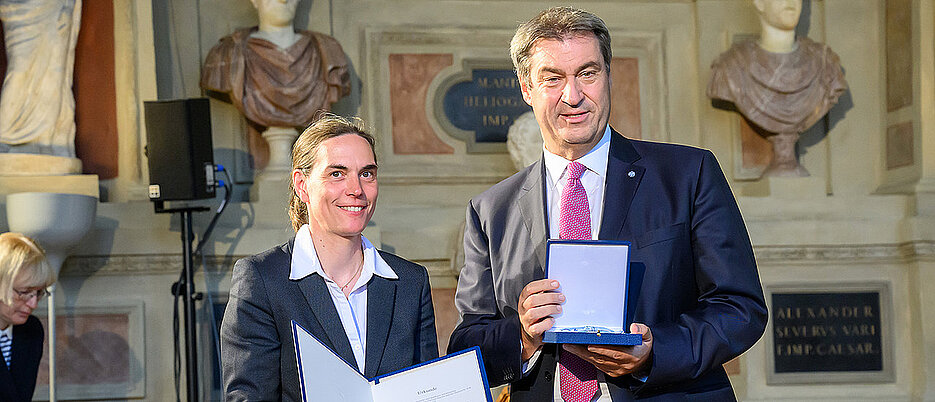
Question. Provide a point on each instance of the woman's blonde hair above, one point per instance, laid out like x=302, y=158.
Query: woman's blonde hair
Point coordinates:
x=22, y=258
x=305, y=153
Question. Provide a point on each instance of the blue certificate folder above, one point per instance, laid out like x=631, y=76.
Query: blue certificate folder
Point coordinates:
x=600, y=289
x=325, y=376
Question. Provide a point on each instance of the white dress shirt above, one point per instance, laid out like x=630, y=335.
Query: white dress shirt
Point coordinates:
x=8, y=331
x=593, y=181
x=351, y=309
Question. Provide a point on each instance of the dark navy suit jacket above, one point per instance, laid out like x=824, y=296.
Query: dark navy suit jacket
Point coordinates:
x=257, y=349
x=701, y=294
x=18, y=382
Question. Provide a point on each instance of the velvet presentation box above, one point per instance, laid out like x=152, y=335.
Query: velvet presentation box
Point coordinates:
x=600, y=289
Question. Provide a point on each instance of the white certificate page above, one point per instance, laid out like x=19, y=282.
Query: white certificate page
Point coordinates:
x=453, y=379
x=323, y=375
x=593, y=278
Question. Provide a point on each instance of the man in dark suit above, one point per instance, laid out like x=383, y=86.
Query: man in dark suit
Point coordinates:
x=371, y=308
x=701, y=302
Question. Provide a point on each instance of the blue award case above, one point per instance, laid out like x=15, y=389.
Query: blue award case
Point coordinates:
x=600, y=288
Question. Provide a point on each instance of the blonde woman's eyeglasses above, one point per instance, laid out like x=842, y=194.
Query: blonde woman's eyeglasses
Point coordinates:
x=27, y=295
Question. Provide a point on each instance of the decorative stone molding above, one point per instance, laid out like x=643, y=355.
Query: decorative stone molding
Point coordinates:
x=161, y=264
x=388, y=180
x=902, y=252
x=140, y=264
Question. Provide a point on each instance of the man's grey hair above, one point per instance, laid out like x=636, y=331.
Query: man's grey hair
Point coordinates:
x=556, y=23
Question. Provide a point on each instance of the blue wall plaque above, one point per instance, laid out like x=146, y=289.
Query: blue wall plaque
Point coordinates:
x=487, y=104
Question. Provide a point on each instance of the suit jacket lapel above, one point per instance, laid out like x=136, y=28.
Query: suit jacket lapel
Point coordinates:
x=623, y=177
x=381, y=299
x=531, y=201
x=322, y=307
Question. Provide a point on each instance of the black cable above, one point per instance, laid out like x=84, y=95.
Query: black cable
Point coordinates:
x=228, y=189
x=177, y=359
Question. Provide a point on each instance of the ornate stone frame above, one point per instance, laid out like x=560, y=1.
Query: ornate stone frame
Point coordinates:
x=488, y=46
x=136, y=386
x=886, y=336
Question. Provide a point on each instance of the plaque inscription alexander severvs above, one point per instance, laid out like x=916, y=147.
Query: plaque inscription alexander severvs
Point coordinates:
x=835, y=332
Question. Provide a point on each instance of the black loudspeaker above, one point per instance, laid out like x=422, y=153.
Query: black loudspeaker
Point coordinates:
x=178, y=146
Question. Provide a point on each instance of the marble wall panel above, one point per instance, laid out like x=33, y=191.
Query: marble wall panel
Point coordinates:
x=92, y=349
x=625, y=96
x=898, y=54
x=95, y=91
x=2, y=56
x=899, y=146
x=99, y=352
x=410, y=77
x=446, y=316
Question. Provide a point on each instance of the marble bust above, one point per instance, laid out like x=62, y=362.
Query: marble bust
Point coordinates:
x=274, y=75
x=37, y=106
x=780, y=83
x=277, y=77
x=524, y=141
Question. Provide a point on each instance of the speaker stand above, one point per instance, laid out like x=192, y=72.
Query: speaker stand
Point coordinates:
x=186, y=288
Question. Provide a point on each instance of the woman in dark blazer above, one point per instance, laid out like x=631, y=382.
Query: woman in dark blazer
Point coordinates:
x=24, y=277
x=370, y=307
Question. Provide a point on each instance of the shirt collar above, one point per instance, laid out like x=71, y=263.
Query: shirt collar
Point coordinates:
x=8, y=331
x=305, y=260
x=595, y=160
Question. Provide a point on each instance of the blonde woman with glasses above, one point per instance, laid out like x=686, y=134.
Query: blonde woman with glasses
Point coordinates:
x=24, y=276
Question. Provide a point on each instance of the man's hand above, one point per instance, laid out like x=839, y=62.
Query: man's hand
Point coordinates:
x=537, y=303
x=616, y=361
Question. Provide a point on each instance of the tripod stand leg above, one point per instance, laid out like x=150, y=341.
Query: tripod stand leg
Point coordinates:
x=191, y=347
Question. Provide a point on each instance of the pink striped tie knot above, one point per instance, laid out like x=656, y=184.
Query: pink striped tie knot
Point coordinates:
x=575, y=219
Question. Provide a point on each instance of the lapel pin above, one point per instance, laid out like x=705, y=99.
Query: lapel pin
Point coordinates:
x=631, y=174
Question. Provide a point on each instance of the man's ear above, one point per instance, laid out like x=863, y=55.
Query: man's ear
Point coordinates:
x=610, y=78
x=299, y=184
x=524, y=88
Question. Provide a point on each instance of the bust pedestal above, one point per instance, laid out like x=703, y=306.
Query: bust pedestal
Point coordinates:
x=784, y=162
x=272, y=183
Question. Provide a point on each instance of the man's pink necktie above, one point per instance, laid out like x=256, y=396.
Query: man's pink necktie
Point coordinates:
x=578, y=378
